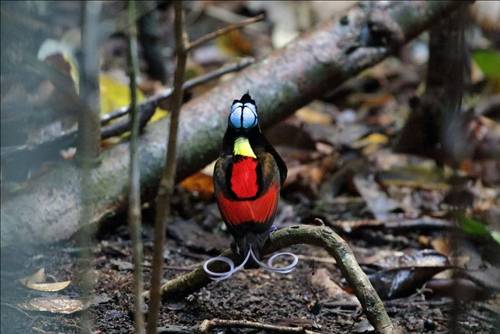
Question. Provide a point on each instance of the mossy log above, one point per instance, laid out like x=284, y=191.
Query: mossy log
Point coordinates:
x=49, y=208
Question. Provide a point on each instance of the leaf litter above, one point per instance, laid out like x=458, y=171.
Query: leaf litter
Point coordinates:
x=390, y=207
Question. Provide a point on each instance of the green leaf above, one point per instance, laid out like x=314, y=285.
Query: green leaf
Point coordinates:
x=488, y=61
x=473, y=226
x=496, y=235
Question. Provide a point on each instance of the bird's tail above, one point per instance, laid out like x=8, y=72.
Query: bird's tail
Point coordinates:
x=254, y=242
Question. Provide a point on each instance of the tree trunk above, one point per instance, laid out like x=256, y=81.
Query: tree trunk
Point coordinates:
x=48, y=209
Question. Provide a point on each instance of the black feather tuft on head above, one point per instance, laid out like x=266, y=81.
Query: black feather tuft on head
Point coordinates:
x=247, y=98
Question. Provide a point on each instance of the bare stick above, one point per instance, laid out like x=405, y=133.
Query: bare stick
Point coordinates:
x=88, y=147
x=134, y=198
x=222, y=31
x=167, y=181
x=192, y=83
x=321, y=236
x=89, y=139
x=207, y=325
x=50, y=150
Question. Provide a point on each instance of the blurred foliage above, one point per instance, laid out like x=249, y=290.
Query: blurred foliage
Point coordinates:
x=488, y=61
x=475, y=227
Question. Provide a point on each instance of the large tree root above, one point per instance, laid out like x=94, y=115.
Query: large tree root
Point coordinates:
x=320, y=236
x=49, y=209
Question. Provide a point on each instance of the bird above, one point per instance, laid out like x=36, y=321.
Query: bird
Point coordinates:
x=248, y=177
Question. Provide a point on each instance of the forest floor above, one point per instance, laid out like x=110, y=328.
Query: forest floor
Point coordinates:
x=407, y=219
x=309, y=297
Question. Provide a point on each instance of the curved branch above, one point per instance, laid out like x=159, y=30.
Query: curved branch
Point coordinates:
x=320, y=236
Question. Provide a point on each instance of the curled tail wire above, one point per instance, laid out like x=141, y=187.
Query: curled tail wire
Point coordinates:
x=269, y=266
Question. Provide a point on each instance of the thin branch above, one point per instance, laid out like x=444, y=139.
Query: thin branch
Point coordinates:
x=208, y=37
x=134, y=203
x=167, y=181
x=321, y=236
x=234, y=67
x=207, y=325
x=50, y=149
x=190, y=84
x=88, y=145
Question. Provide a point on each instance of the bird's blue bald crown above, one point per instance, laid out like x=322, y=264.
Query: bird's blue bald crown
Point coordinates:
x=243, y=114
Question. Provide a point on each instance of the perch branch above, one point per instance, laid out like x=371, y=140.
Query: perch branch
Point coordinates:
x=167, y=182
x=286, y=80
x=321, y=236
x=134, y=202
x=222, y=31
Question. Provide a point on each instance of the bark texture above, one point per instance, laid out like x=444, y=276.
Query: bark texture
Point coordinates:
x=48, y=209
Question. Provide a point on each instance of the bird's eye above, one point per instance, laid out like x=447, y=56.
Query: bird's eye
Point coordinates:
x=243, y=116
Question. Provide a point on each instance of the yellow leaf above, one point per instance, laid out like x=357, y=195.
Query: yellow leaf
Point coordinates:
x=313, y=116
x=115, y=94
x=36, y=280
x=373, y=139
x=49, y=287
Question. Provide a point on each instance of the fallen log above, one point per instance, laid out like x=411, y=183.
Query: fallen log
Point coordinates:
x=49, y=208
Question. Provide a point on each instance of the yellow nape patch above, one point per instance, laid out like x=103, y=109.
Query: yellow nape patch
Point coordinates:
x=242, y=147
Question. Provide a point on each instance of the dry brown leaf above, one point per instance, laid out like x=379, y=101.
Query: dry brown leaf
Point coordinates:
x=200, y=184
x=37, y=277
x=54, y=304
x=372, y=139
x=310, y=176
x=442, y=245
x=312, y=116
x=376, y=199
x=321, y=279
x=35, y=282
x=49, y=287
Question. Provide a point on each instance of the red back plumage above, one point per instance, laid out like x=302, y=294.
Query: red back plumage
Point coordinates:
x=244, y=178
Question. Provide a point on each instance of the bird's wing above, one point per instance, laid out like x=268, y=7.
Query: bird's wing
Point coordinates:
x=283, y=170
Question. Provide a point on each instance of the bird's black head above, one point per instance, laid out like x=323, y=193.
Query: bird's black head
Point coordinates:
x=243, y=116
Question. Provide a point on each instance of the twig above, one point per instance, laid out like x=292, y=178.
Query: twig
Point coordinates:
x=222, y=31
x=192, y=83
x=176, y=329
x=134, y=202
x=167, y=181
x=234, y=67
x=224, y=15
x=88, y=145
x=50, y=149
x=425, y=223
x=17, y=309
x=391, y=303
x=208, y=325
x=321, y=236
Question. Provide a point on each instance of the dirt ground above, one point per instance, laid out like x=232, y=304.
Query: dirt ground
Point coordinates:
x=295, y=299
